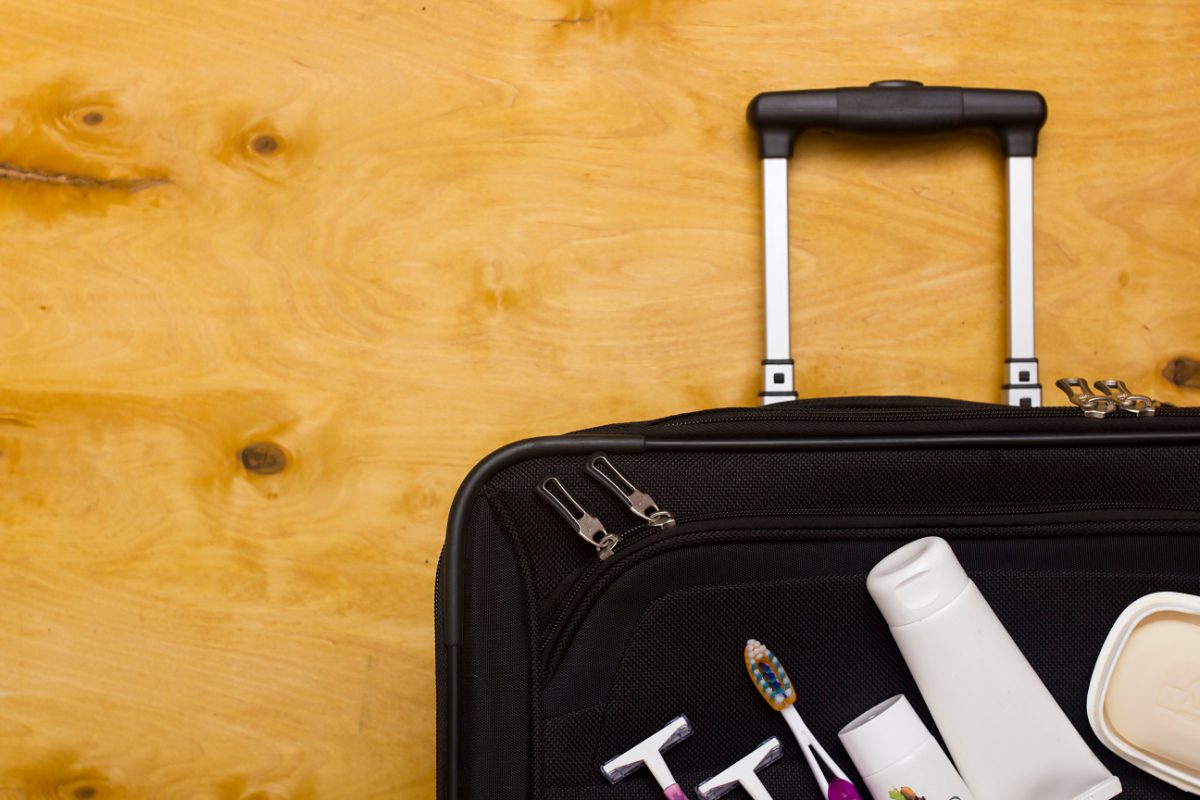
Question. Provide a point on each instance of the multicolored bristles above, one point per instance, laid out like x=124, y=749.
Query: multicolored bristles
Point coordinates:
x=769, y=676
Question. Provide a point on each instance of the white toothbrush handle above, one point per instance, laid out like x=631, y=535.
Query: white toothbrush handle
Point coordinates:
x=806, y=740
x=833, y=767
x=829, y=762
x=808, y=735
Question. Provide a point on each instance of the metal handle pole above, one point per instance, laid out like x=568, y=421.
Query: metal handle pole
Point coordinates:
x=778, y=368
x=1021, y=386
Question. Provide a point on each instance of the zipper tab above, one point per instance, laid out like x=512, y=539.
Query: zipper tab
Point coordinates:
x=1138, y=404
x=637, y=501
x=589, y=527
x=1078, y=391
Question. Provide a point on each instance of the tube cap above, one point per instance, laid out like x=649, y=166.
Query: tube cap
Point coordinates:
x=916, y=581
x=888, y=733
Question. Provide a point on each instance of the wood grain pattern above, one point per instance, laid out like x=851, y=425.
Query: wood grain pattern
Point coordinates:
x=371, y=241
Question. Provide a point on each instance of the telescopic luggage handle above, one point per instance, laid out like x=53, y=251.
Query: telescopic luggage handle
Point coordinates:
x=900, y=107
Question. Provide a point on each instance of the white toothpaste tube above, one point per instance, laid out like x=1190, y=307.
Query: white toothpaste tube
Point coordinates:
x=1003, y=728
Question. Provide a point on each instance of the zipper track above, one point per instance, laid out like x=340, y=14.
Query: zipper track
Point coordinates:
x=631, y=536
x=890, y=414
x=636, y=539
x=893, y=415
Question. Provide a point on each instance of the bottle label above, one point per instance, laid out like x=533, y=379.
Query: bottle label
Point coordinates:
x=906, y=793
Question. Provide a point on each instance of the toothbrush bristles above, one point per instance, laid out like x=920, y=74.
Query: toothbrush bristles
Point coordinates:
x=768, y=675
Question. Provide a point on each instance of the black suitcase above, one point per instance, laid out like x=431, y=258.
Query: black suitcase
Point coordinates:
x=563, y=640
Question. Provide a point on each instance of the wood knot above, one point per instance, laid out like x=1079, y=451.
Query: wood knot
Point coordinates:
x=264, y=458
x=264, y=149
x=1183, y=372
x=88, y=785
x=264, y=144
x=92, y=120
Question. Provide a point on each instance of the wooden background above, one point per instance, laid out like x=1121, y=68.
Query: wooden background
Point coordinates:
x=276, y=274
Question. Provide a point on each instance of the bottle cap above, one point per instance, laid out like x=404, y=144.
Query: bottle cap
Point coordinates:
x=889, y=732
x=916, y=581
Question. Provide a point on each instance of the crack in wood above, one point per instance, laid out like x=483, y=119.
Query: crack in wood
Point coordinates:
x=11, y=172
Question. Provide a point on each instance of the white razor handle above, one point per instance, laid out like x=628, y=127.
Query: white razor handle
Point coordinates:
x=648, y=753
x=744, y=773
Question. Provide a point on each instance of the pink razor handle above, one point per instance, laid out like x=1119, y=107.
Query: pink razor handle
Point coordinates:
x=842, y=790
x=673, y=792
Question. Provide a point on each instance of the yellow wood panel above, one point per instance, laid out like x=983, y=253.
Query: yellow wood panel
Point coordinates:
x=378, y=239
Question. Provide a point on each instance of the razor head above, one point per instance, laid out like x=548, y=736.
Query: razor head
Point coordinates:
x=742, y=772
x=649, y=751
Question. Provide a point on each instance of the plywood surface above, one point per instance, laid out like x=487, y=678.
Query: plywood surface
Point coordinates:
x=371, y=241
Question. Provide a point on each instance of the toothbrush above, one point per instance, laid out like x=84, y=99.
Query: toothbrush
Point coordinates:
x=773, y=683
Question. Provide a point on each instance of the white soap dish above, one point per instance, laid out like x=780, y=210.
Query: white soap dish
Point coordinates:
x=1144, y=700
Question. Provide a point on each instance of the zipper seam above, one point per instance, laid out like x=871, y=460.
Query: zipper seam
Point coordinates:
x=896, y=415
x=550, y=661
x=636, y=536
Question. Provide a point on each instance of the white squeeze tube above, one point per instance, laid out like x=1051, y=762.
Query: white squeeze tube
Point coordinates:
x=1007, y=735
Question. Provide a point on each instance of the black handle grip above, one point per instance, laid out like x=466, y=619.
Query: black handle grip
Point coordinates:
x=897, y=107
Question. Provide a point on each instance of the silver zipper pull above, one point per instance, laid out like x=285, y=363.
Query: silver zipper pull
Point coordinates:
x=1078, y=391
x=640, y=503
x=589, y=527
x=1138, y=404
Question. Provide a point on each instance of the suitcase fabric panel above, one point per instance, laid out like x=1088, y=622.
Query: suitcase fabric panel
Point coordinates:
x=1059, y=539
x=1054, y=614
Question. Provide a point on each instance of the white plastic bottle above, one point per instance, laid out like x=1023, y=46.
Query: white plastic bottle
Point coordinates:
x=1002, y=726
x=898, y=757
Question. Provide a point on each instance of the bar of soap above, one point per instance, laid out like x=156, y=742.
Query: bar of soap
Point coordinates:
x=1153, y=697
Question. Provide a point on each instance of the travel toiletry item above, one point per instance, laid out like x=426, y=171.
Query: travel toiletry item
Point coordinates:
x=1144, y=701
x=897, y=756
x=744, y=773
x=1003, y=728
x=773, y=683
x=648, y=753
